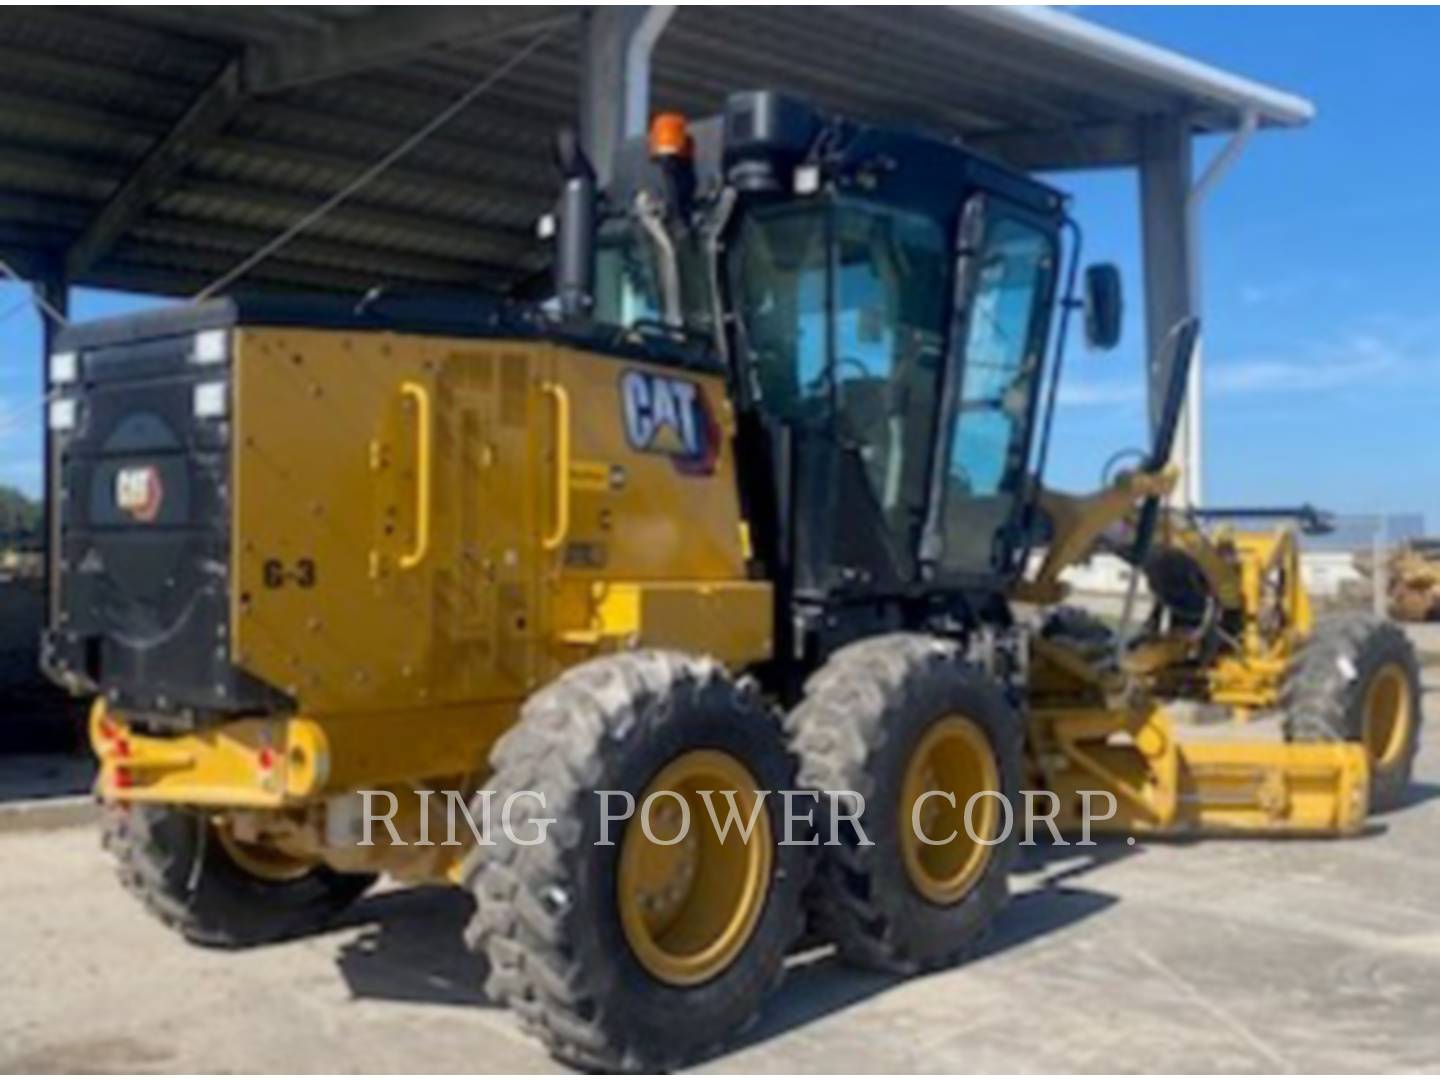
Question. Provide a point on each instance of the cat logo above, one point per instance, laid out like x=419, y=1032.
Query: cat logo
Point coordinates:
x=668, y=415
x=139, y=493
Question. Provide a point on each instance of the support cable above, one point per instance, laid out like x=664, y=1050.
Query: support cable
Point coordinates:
x=47, y=309
x=11, y=416
x=441, y=118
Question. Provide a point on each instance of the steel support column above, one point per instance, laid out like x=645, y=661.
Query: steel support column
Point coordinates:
x=53, y=288
x=1171, y=286
x=616, y=44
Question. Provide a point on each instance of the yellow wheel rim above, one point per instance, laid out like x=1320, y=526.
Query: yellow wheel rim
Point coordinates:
x=1388, y=713
x=688, y=908
x=261, y=860
x=955, y=757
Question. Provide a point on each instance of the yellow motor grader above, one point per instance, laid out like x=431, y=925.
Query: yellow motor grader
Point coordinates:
x=739, y=512
x=1231, y=625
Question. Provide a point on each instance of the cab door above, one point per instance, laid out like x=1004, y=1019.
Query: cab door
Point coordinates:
x=844, y=308
x=996, y=368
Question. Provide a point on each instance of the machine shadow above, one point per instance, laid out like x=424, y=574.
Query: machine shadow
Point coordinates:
x=412, y=948
x=1417, y=793
x=818, y=984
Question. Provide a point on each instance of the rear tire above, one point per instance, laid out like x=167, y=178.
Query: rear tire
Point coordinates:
x=568, y=941
x=174, y=860
x=1357, y=680
x=869, y=717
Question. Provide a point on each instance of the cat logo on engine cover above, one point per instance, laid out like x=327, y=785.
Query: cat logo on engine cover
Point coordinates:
x=669, y=415
x=138, y=492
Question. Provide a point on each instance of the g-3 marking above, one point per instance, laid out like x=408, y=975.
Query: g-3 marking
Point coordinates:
x=276, y=576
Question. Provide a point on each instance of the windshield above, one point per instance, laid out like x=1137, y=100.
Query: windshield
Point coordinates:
x=1002, y=359
x=990, y=441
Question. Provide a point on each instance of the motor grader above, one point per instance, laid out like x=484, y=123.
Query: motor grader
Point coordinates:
x=1230, y=625
x=741, y=506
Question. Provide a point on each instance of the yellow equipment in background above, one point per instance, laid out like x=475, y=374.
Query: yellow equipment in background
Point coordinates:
x=1411, y=579
x=1232, y=626
x=1259, y=606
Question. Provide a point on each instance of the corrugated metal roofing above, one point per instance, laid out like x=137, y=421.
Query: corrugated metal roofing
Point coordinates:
x=86, y=95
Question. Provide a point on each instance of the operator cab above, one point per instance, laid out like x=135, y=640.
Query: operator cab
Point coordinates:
x=882, y=301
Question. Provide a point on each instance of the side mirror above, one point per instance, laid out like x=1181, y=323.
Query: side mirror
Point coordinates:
x=1104, y=305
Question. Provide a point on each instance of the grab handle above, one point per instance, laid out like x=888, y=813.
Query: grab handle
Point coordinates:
x=421, y=397
x=561, y=397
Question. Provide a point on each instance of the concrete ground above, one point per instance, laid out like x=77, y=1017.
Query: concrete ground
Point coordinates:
x=1216, y=956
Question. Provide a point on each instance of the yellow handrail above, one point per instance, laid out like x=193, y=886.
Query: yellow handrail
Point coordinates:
x=562, y=465
x=421, y=395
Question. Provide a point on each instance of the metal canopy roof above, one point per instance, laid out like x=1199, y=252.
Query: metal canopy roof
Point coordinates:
x=151, y=149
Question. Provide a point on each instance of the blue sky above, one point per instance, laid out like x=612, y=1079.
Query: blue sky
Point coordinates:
x=1321, y=277
x=20, y=373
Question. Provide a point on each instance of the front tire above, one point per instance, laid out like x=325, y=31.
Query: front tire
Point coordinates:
x=216, y=891
x=891, y=718
x=1357, y=680
x=638, y=955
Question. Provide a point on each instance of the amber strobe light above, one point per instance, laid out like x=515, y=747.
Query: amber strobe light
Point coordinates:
x=669, y=136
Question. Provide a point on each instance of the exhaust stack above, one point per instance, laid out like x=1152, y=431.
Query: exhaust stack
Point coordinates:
x=575, y=237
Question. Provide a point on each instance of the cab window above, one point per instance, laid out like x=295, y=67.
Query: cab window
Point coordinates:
x=1000, y=375
x=844, y=305
x=627, y=289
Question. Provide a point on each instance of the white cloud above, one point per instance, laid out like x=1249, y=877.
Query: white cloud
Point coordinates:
x=1083, y=394
x=1271, y=292
x=1362, y=360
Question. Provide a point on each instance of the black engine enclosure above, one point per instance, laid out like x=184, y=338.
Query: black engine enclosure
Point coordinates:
x=140, y=607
